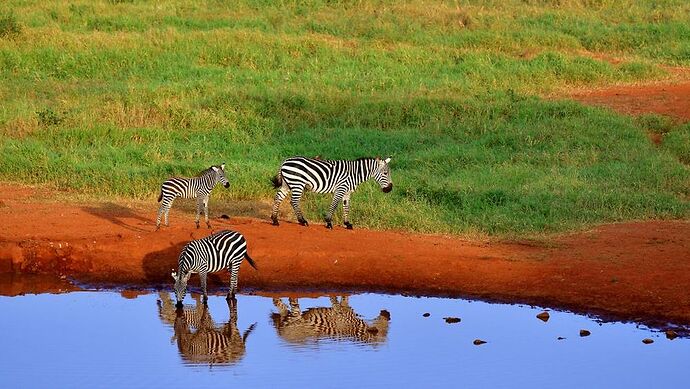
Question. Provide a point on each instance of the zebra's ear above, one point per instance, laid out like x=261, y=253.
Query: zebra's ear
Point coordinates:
x=387, y=160
x=222, y=166
x=215, y=169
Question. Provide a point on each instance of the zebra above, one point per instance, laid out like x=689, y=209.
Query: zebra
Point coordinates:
x=222, y=250
x=198, y=187
x=339, y=322
x=199, y=339
x=341, y=178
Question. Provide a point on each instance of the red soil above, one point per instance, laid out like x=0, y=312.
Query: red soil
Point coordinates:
x=628, y=271
x=670, y=99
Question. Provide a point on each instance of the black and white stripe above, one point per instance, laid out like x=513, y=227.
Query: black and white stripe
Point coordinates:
x=339, y=322
x=222, y=250
x=299, y=174
x=198, y=187
x=199, y=339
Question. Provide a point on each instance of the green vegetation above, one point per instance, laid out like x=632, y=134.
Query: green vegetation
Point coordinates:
x=112, y=97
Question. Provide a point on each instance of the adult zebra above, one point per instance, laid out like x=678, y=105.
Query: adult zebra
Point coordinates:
x=341, y=178
x=222, y=250
x=198, y=187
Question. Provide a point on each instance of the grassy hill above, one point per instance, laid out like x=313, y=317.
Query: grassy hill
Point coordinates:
x=110, y=98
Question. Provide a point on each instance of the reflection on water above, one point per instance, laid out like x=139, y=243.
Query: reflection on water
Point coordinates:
x=199, y=339
x=338, y=322
x=102, y=339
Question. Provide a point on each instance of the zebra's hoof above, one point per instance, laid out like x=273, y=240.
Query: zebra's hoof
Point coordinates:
x=348, y=225
x=205, y=300
x=304, y=223
x=329, y=225
x=178, y=305
x=275, y=222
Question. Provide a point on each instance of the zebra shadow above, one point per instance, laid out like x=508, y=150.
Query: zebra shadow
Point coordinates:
x=120, y=216
x=338, y=322
x=200, y=341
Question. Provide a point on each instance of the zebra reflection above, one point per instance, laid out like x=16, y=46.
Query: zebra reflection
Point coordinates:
x=199, y=339
x=339, y=322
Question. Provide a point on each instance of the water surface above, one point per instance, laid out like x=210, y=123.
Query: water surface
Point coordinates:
x=85, y=339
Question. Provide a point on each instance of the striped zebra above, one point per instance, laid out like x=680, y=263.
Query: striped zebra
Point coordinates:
x=199, y=339
x=339, y=322
x=198, y=188
x=341, y=178
x=222, y=250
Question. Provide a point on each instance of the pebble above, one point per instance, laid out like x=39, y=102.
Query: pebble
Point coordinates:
x=647, y=341
x=451, y=320
x=478, y=342
x=426, y=314
x=544, y=316
x=584, y=333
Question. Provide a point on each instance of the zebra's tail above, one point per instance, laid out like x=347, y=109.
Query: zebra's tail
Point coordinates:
x=277, y=180
x=160, y=196
x=251, y=261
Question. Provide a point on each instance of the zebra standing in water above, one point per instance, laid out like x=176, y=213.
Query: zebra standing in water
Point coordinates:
x=198, y=187
x=222, y=250
x=341, y=178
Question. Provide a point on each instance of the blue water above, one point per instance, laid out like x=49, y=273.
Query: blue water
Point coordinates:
x=101, y=339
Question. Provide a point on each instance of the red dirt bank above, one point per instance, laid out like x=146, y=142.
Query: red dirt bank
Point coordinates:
x=629, y=271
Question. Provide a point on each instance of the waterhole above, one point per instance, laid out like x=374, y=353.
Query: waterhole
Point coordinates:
x=124, y=339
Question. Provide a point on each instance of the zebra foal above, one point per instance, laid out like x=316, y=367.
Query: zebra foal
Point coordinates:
x=222, y=250
x=198, y=187
x=299, y=174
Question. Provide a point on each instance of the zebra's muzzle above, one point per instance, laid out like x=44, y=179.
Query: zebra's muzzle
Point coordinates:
x=227, y=185
x=387, y=188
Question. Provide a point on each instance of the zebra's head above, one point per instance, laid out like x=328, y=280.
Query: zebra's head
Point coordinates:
x=220, y=175
x=180, y=286
x=382, y=174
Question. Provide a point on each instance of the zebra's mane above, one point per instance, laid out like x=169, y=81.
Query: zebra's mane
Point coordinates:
x=364, y=158
x=205, y=172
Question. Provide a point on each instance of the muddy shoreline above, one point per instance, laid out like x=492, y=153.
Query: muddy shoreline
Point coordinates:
x=634, y=271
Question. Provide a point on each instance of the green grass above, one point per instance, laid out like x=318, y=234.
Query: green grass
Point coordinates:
x=110, y=98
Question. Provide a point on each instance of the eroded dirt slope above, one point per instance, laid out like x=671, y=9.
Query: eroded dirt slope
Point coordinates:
x=630, y=271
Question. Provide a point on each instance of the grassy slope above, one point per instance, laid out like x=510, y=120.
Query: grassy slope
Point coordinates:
x=112, y=97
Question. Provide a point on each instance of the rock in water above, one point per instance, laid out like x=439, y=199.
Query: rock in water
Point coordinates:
x=478, y=342
x=451, y=320
x=671, y=334
x=544, y=316
x=585, y=333
x=647, y=341
x=426, y=314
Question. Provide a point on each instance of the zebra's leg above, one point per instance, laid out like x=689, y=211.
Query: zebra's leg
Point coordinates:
x=202, y=277
x=206, y=211
x=163, y=210
x=337, y=197
x=282, y=308
x=167, y=211
x=346, y=210
x=294, y=307
x=234, y=270
x=199, y=209
x=280, y=196
x=294, y=200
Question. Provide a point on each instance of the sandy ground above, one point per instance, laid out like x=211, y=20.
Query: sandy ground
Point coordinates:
x=633, y=271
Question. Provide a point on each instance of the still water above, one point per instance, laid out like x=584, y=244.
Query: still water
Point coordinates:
x=102, y=339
